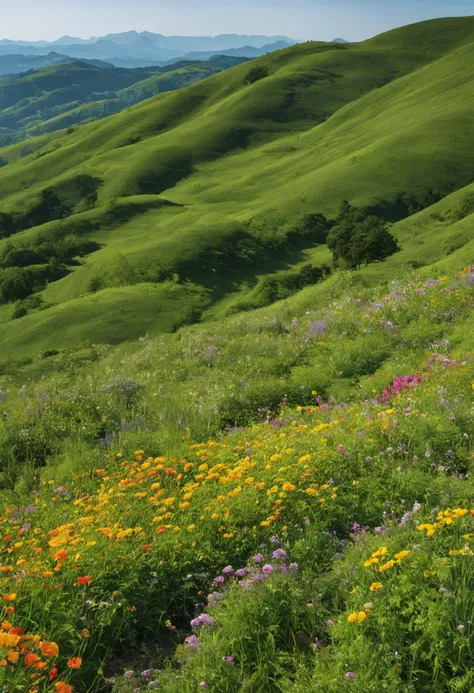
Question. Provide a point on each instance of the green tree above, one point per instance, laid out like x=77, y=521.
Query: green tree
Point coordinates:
x=358, y=238
x=255, y=74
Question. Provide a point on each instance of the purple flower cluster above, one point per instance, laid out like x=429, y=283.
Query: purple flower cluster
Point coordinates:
x=202, y=620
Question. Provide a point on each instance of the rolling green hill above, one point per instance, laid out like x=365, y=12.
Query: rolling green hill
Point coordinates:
x=207, y=185
x=60, y=96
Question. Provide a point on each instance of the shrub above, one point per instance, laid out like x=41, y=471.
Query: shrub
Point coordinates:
x=255, y=74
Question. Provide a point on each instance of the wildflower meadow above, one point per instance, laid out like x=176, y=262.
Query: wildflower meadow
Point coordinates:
x=295, y=513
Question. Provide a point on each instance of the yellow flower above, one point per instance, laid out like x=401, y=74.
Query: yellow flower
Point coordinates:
x=376, y=586
x=401, y=554
x=352, y=618
x=386, y=566
x=361, y=616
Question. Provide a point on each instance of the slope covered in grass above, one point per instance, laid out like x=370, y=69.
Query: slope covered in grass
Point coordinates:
x=368, y=122
x=54, y=98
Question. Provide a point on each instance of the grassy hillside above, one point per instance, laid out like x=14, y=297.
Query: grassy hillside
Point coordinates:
x=226, y=463
x=54, y=98
x=242, y=163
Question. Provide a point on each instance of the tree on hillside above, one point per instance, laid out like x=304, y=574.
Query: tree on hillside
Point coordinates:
x=255, y=74
x=358, y=238
x=7, y=225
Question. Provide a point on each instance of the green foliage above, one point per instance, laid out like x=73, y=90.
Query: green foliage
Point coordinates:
x=358, y=239
x=255, y=74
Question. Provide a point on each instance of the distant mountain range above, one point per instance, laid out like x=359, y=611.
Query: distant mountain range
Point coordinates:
x=133, y=49
x=15, y=63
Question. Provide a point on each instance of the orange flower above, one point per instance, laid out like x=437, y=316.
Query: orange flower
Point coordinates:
x=61, y=555
x=9, y=597
x=62, y=687
x=74, y=662
x=47, y=573
x=85, y=634
x=31, y=658
x=13, y=656
x=10, y=609
x=41, y=665
x=53, y=674
x=84, y=580
x=6, y=625
x=49, y=649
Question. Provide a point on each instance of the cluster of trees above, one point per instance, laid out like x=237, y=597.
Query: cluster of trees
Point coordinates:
x=359, y=238
x=26, y=269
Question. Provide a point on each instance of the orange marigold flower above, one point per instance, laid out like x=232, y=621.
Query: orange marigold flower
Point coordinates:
x=41, y=665
x=85, y=634
x=74, y=662
x=62, y=687
x=61, y=555
x=13, y=656
x=31, y=658
x=9, y=597
x=84, y=580
x=49, y=649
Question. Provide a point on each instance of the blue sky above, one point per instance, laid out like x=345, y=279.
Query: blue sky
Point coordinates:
x=301, y=19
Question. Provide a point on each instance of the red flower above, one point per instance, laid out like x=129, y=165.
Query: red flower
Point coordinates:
x=53, y=674
x=84, y=580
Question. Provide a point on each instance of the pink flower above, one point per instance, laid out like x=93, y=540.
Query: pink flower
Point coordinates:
x=267, y=569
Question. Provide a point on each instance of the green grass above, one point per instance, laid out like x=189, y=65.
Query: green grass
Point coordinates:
x=64, y=95
x=364, y=121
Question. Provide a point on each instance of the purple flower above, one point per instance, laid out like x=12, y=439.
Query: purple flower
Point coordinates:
x=203, y=684
x=330, y=623
x=219, y=580
x=229, y=660
x=351, y=675
x=258, y=558
x=274, y=539
x=267, y=569
x=228, y=570
x=240, y=572
x=356, y=527
x=279, y=553
x=317, y=643
x=294, y=566
x=202, y=620
x=192, y=642
x=146, y=673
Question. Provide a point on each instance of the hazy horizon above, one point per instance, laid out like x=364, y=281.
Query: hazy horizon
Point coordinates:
x=353, y=20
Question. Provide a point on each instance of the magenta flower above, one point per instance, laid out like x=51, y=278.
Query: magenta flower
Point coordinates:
x=228, y=570
x=267, y=569
x=351, y=675
x=203, y=684
x=258, y=558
